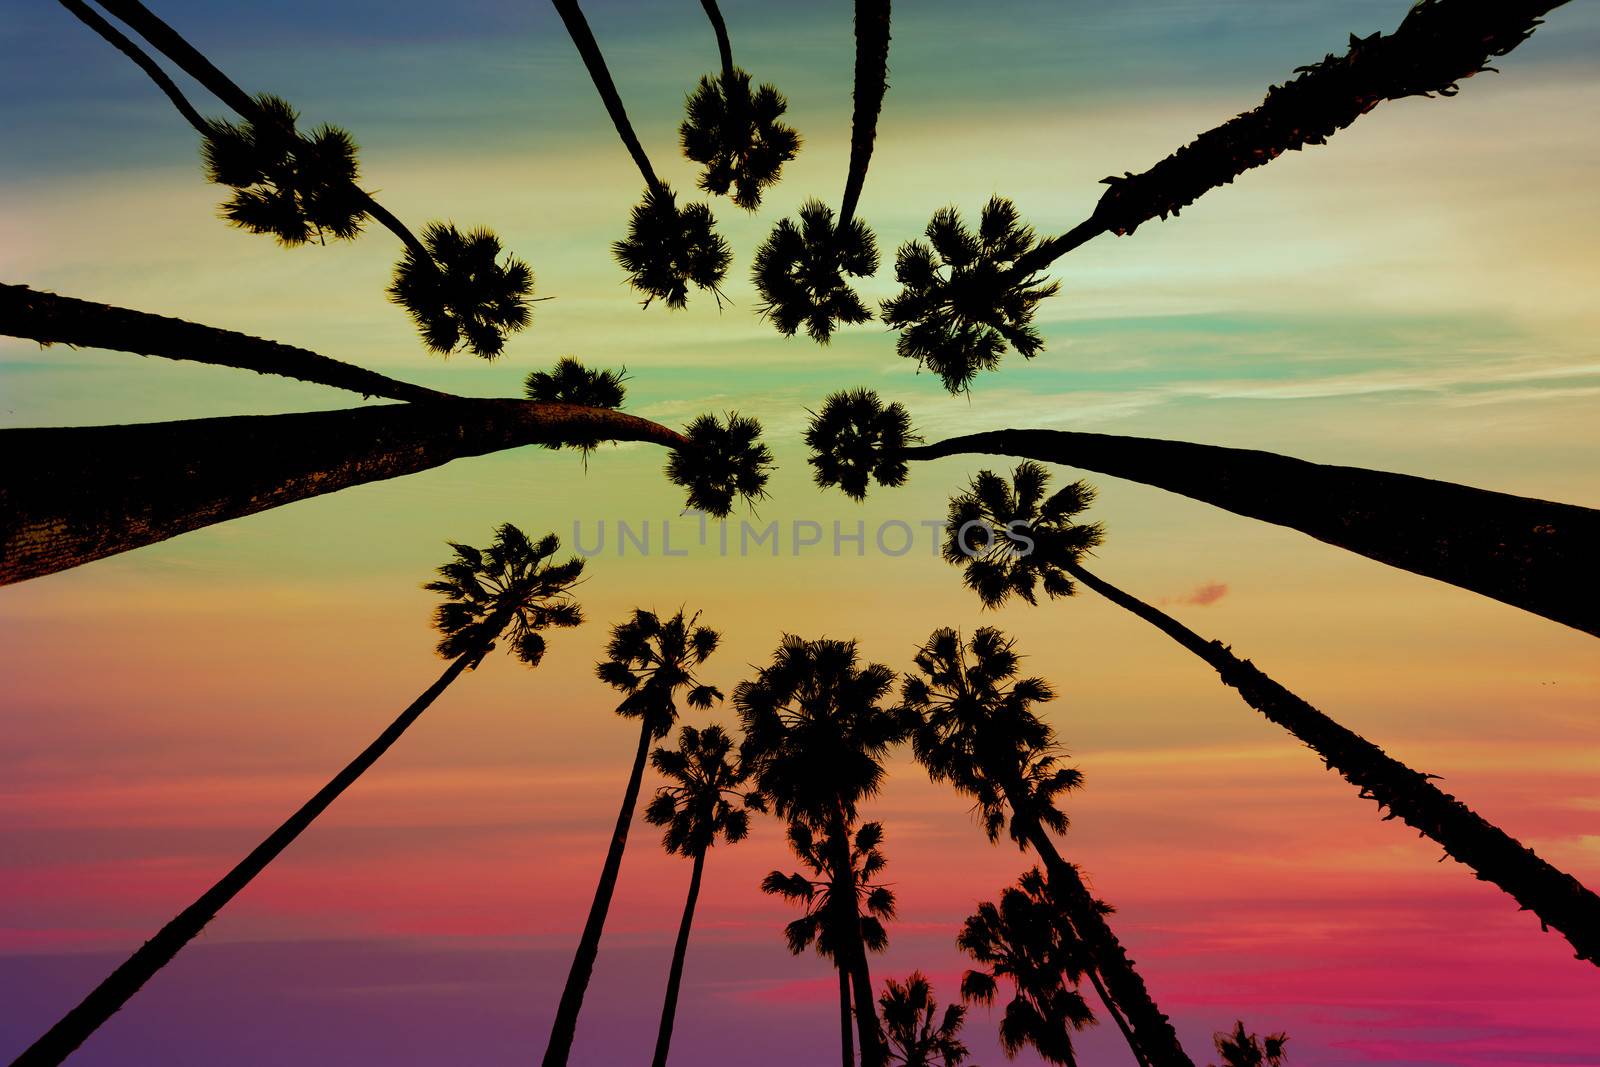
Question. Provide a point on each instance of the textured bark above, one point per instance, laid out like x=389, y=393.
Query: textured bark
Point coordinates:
x=595, y=62
x=1558, y=899
x=110, y=995
x=51, y=319
x=871, y=84
x=680, y=949
x=1535, y=554
x=76, y=494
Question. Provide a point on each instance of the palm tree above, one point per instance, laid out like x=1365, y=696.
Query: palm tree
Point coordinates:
x=800, y=270
x=954, y=323
x=570, y=382
x=815, y=735
x=1027, y=940
x=733, y=133
x=649, y=660
x=840, y=898
x=667, y=248
x=978, y=731
x=511, y=591
x=918, y=1035
x=1243, y=1049
x=460, y=293
x=1035, y=541
x=696, y=810
x=1533, y=554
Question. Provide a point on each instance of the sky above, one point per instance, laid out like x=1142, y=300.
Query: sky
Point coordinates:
x=1415, y=296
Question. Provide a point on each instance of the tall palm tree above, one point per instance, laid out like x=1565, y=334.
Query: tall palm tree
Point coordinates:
x=511, y=591
x=840, y=896
x=962, y=322
x=734, y=134
x=668, y=248
x=978, y=731
x=1533, y=554
x=800, y=270
x=649, y=660
x=816, y=731
x=1035, y=541
x=1027, y=940
x=919, y=1035
x=1239, y=1048
x=696, y=809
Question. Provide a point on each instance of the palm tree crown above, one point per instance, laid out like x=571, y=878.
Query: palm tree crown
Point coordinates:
x=511, y=587
x=723, y=460
x=1239, y=1048
x=799, y=272
x=669, y=248
x=917, y=1033
x=649, y=660
x=696, y=808
x=735, y=134
x=462, y=294
x=818, y=892
x=1010, y=538
x=855, y=437
x=570, y=382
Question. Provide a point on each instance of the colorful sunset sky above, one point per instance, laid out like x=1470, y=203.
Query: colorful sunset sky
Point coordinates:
x=1417, y=296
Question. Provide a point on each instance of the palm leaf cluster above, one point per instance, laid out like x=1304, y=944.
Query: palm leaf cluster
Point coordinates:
x=799, y=272
x=737, y=136
x=697, y=806
x=723, y=461
x=669, y=248
x=919, y=1035
x=463, y=293
x=649, y=659
x=856, y=437
x=1240, y=1048
x=512, y=588
x=1010, y=539
x=828, y=918
x=570, y=382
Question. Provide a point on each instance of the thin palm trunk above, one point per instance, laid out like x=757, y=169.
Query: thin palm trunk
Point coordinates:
x=110, y=995
x=1116, y=1016
x=566, y=1023
x=1534, y=554
x=851, y=953
x=1558, y=899
x=871, y=83
x=51, y=319
x=724, y=46
x=847, y=1044
x=83, y=493
x=595, y=62
x=669, y=1007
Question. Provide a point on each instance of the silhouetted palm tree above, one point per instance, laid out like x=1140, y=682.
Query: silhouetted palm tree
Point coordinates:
x=667, y=248
x=816, y=732
x=1534, y=554
x=463, y=294
x=1036, y=541
x=511, y=590
x=696, y=810
x=733, y=133
x=1242, y=1049
x=919, y=1035
x=1027, y=941
x=723, y=460
x=843, y=903
x=800, y=270
x=979, y=732
x=649, y=660
x=570, y=382
x=951, y=322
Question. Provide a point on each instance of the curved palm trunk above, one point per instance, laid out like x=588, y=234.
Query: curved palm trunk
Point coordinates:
x=1534, y=554
x=72, y=495
x=51, y=319
x=847, y=1045
x=110, y=995
x=1557, y=898
x=566, y=1023
x=851, y=953
x=118, y=40
x=871, y=83
x=724, y=46
x=595, y=62
x=669, y=1007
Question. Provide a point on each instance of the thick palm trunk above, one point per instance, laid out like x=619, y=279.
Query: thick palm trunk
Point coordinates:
x=1557, y=898
x=72, y=495
x=847, y=1044
x=566, y=1023
x=1116, y=1016
x=1152, y=1037
x=851, y=953
x=680, y=949
x=595, y=62
x=871, y=83
x=1534, y=554
x=51, y=319
x=110, y=995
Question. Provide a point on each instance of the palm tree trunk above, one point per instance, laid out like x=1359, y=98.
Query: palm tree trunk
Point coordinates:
x=669, y=1008
x=595, y=61
x=118, y=40
x=1116, y=1016
x=851, y=953
x=72, y=495
x=1534, y=554
x=1557, y=898
x=872, y=82
x=1149, y=1032
x=110, y=995
x=847, y=1045
x=724, y=46
x=566, y=1023
x=51, y=319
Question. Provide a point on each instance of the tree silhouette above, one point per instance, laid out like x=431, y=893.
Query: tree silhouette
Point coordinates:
x=723, y=460
x=649, y=660
x=1037, y=541
x=696, y=810
x=462, y=294
x=978, y=731
x=570, y=382
x=815, y=735
x=917, y=1033
x=511, y=591
x=1242, y=1049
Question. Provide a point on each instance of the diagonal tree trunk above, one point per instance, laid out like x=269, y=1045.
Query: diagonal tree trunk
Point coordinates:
x=565, y=1026
x=1558, y=899
x=871, y=83
x=583, y=37
x=51, y=319
x=110, y=995
x=1117, y=1016
x=76, y=494
x=680, y=949
x=1534, y=554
